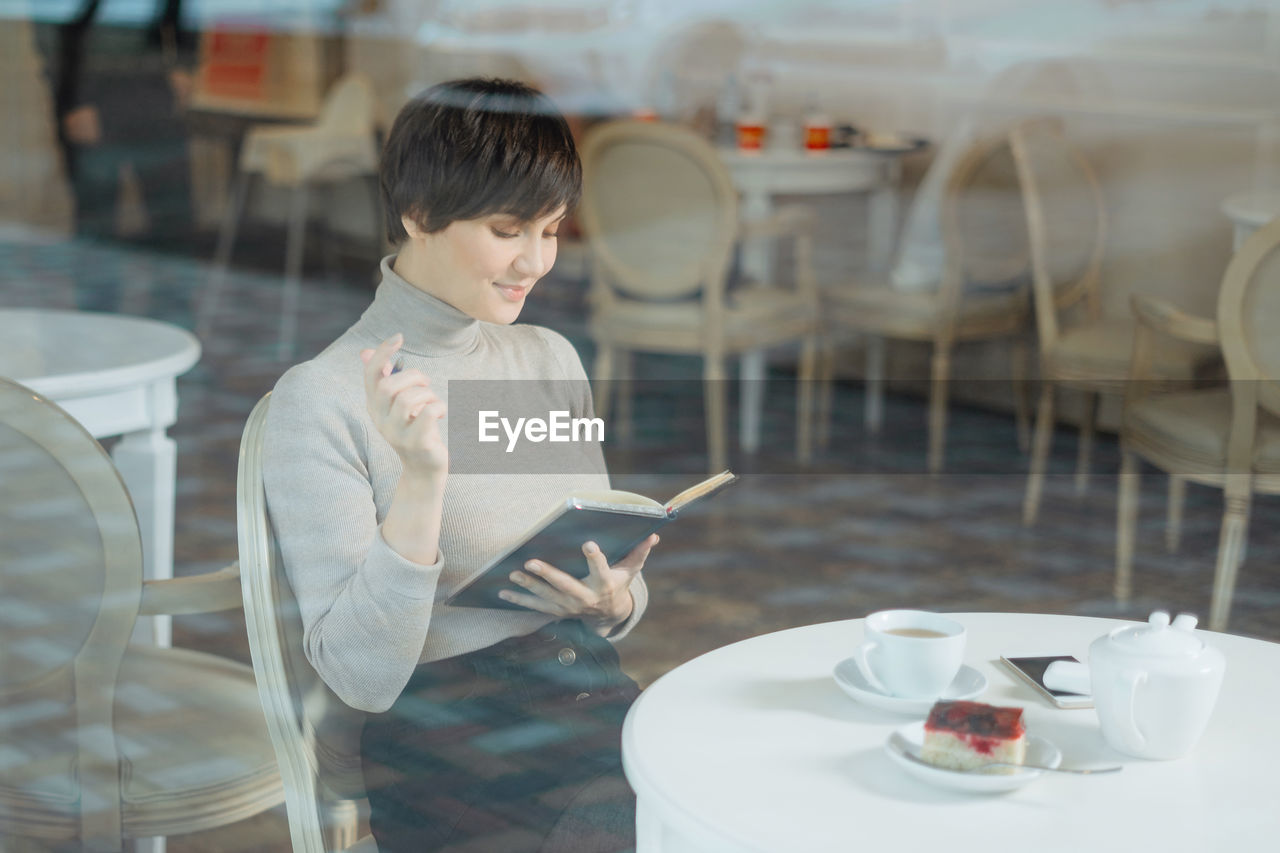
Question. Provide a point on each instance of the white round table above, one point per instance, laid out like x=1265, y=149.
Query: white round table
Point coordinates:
x=116, y=376
x=791, y=171
x=753, y=747
x=1249, y=211
x=761, y=175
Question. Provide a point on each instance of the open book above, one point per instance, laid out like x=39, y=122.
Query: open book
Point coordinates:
x=617, y=521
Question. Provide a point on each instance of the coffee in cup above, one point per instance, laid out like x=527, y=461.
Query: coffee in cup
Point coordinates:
x=914, y=632
x=912, y=654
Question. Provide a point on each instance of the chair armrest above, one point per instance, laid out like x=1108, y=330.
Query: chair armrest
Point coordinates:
x=1163, y=317
x=204, y=593
x=792, y=220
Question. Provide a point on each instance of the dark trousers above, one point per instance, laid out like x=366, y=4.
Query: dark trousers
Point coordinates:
x=511, y=748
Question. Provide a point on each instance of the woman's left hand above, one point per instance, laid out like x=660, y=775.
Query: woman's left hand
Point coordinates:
x=602, y=600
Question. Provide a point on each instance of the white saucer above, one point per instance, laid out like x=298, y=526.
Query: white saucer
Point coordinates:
x=968, y=684
x=910, y=737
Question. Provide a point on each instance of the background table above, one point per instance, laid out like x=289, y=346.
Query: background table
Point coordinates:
x=762, y=175
x=116, y=376
x=1249, y=211
x=754, y=747
x=759, y=176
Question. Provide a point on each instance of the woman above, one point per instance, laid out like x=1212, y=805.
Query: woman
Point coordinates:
x=493, y=728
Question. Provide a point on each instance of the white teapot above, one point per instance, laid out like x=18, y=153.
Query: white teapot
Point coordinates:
x=1154, y=685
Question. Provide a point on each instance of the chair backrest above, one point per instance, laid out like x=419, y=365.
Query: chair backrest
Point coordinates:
x=1066, y=222
x=1073, y=77
x=316, y=736
x=983, y=226
x=1248, y=316
x=350, y=105
x=659, y=211
x=71, y=582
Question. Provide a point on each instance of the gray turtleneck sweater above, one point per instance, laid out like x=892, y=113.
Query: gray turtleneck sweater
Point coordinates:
x=370, y=615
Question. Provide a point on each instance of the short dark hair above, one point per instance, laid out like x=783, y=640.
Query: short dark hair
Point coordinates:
x=469, y=148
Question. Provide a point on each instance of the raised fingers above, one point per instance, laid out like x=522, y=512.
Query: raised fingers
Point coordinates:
x=433, y=411
x=407, y=403
x=377, y=363
x=389, y=389
x=392, y=384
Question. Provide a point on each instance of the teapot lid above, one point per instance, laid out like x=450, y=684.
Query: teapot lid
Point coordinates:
x=1159, y=637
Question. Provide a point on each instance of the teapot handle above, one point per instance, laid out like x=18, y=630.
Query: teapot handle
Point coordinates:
x=1129, y=721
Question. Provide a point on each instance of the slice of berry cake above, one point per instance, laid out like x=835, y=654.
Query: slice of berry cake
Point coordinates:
x=964, y=735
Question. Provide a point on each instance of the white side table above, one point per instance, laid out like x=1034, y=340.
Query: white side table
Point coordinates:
x=760, y=176
x=116, y=376
x=1249, y=211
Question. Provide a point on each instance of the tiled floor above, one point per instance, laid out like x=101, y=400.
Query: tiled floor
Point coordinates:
x=861, y=529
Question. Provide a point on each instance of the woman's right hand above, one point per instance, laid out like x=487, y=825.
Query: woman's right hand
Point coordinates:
x=406, y=412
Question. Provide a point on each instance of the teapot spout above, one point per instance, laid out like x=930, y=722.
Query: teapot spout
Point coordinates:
x=1068, y=676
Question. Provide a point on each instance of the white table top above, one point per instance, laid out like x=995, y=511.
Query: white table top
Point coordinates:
x=754, y=747
x=776, y=156
x=67, y=354
x=794, y=170
x=1252, y=207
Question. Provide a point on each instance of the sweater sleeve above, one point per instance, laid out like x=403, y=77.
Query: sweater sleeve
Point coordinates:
x=365, y=609
x=571, y=365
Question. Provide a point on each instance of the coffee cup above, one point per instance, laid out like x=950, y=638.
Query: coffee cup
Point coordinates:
x=912, y=654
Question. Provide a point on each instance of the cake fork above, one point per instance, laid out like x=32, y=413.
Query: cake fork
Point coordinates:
x=1078, y=771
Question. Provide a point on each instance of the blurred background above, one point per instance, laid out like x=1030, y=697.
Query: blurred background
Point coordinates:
x=210, y=165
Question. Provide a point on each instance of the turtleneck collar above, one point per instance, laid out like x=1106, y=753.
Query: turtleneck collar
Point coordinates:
x=431, y=326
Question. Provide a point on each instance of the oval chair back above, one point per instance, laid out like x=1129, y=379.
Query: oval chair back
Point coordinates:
x=1248, y=314
x=1066, y=223
x=660, y=211
x=71, y=575
x=983, y=225
x=315, y=734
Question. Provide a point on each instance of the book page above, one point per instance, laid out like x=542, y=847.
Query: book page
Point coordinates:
x=709, y=486
x=616, y=497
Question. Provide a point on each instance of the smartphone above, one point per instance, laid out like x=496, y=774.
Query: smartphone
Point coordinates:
x=1031, y=670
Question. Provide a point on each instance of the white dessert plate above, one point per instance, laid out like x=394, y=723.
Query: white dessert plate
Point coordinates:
x=969, y=683
x=910, y=738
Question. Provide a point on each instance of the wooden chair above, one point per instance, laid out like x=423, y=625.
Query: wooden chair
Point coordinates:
x=105, y=741
x=1079, y=349
x=660, y=213
x=982, y=295
x=340, y=146
x=1223, y=437
x=315, y=735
